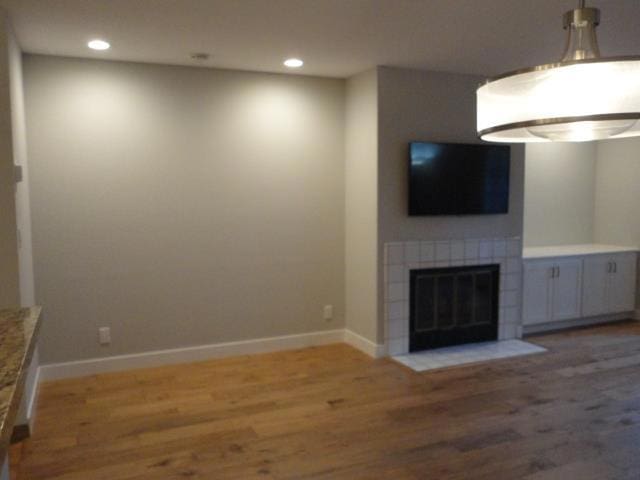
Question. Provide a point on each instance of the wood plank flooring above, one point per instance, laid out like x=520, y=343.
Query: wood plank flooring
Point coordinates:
x=333, y=413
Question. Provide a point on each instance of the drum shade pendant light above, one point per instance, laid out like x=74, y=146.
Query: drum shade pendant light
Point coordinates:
x=583, y=97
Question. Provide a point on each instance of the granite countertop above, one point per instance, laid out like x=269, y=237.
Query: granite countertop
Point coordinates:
x=18, y=333
x=573, y=250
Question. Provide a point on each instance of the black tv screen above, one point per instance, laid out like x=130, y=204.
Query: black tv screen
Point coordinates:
x=458, y=179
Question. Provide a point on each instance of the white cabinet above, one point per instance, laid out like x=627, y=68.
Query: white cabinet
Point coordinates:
x=595, y=285
x=536, y=301
x=578, y=286
x=609, y=284
x=567, y=289
x=552, y=290
x=622, y=297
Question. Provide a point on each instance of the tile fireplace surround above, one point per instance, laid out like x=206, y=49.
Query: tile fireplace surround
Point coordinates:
x=402, y=257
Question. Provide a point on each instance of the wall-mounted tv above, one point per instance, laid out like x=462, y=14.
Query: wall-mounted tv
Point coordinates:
x=458, y=179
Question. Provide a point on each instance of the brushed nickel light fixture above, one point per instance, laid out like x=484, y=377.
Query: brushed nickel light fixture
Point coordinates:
x=582, y=97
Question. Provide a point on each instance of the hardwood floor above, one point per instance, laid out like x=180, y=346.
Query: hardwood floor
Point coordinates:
x=333, y=413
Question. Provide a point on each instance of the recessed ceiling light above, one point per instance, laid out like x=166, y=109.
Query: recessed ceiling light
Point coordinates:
x=293, y=63
x=98, y=45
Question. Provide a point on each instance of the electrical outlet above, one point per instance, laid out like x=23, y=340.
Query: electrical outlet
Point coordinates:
x=104, y=335
x=327, y=312
x=17, y=173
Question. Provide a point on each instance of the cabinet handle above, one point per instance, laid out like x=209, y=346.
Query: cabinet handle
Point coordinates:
x=615, y=267
x=558, y=274
x=609, y=267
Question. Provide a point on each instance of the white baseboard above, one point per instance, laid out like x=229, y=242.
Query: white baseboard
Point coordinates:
x=158, y=358
x=363, y=344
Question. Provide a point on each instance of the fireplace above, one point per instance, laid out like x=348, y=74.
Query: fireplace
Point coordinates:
x=401, y=258
x=453, y=306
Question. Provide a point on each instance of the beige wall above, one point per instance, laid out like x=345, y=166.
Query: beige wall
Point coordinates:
x=182, y=206
x=23, y=213
x=189, y=206
x=361, y=209
x=617, y=210
x=440, y=107
x=22, y=202
x=616, y=219
x=559, y=193
x=9, y=281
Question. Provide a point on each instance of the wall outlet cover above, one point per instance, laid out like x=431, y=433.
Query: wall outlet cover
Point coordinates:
x=104, y=335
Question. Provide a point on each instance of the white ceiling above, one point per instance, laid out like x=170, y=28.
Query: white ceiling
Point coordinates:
x=335, y=37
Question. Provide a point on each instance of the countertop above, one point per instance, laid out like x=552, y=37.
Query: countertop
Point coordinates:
x=18, y=332
x=573, y=250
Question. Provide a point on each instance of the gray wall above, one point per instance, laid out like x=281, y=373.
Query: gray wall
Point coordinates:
x=9, y=271
x=440, y=107
x=559, y=193
x=23, y=212
x=182, y=206
x=617, y=211
x=23, y=208
x=361, y=204
x=617, y=217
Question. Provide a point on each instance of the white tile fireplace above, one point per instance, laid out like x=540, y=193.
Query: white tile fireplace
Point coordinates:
x=402, y=257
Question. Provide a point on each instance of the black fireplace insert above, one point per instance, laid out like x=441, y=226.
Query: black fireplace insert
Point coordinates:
x=452, y=306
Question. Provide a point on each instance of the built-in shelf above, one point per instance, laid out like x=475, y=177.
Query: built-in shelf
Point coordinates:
x=574, y=250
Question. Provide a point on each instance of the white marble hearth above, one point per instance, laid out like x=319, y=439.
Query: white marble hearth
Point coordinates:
x=402, y=257
x=469, y=353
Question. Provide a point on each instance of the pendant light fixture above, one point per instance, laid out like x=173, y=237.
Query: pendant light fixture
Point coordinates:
x=582, y=97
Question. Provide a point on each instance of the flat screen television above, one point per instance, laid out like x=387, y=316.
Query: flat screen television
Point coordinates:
x=458, y=179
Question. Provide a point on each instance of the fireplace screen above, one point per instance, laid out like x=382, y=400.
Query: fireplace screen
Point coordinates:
x=452, y=306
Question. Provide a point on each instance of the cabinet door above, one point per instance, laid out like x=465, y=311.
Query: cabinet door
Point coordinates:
x=567, y=290
x=595, y=282
x=537, y=292
x=622, y=291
